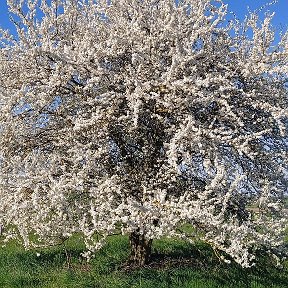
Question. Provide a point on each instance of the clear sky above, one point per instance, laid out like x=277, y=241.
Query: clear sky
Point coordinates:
x=280, y=8
x=238, y=6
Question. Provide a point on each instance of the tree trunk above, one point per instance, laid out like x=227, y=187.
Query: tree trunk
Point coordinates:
x=140, y=249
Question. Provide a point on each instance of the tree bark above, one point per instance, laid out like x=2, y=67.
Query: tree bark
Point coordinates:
x=140, y=249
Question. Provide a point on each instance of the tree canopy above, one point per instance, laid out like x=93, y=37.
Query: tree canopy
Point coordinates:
x=139, y=117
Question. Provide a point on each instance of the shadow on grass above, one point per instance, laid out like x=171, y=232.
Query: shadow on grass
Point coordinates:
x=174, y=264
x=185, y=263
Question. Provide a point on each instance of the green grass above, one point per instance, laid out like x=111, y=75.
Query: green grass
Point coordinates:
x=175, y=264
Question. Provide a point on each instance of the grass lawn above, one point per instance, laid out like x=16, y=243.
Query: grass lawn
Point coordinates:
x=175, y=264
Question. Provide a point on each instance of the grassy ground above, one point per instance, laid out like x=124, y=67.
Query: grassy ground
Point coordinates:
x=176, y=264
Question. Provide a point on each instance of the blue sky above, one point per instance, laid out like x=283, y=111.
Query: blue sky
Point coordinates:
x=280, y=8
x=237, y=6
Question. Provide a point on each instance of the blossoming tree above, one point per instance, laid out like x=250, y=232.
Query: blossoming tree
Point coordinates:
x=140, y=117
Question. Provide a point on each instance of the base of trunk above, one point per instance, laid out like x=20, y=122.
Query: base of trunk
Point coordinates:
x=140, y=249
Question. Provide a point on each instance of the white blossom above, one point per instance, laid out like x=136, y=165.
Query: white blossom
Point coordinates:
x=139, y=117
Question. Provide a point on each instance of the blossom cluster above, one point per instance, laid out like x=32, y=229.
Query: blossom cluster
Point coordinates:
x=143, y=116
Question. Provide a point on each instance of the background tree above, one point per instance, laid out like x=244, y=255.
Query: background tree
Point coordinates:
x=139, y=117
